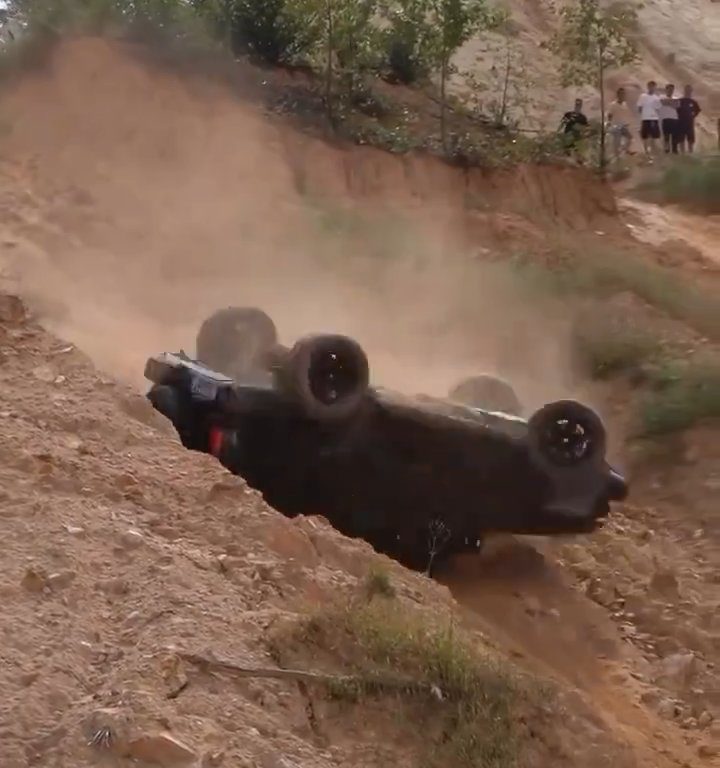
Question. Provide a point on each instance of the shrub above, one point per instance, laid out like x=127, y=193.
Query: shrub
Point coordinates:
x=607, y=349
x=474, y=693
x=683, y=395
x=377, y=583
x=692, y=181
x=263, y=29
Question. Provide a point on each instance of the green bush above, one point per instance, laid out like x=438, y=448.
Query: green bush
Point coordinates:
x=605, y=349
x=377, y=583
x=604, y=272
x=263, y=29
x=141, y=18
x=404, y=42
x=692, y=181
x=683, y=394
x=476, y=694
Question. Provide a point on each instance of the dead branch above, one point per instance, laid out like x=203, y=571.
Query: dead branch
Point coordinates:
x=363, y=682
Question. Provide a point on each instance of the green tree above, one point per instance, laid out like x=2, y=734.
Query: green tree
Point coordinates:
x=592, y=39
x=261, y=28
x=167, y=18
x=453, y=23
x=510, y=82
x=343, y=40
x=502, y=93
x=408, y=40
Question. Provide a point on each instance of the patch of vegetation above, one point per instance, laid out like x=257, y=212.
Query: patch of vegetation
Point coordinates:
x=692, y=181
x=605, y=350
x=143, y=19
x=467, y=703
x=682, y=394
x=605, y=272
x=377, y=583
x=344, y=48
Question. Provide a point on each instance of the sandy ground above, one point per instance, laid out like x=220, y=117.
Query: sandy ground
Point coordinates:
x=660, y=225
x=123, y=223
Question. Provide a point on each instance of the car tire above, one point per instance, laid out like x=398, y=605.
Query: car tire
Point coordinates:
x=489, y=393
x=236, y=340
x=300, y=377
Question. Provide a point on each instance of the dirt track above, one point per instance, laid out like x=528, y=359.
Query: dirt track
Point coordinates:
x=123, y=239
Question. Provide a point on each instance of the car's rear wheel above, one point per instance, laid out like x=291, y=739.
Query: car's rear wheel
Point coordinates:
x=326, y=374
x=487, y=392
x=236, y=340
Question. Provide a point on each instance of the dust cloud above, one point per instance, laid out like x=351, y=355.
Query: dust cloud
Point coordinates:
x=142, y=201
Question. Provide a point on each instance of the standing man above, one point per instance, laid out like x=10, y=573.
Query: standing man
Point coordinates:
x=572, y=125
x=648, y=105
x=688, y=109
x=619, y=119
x=668, y=119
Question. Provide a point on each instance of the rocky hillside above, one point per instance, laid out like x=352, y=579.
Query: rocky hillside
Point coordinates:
x=157, y=612
x=148, y=596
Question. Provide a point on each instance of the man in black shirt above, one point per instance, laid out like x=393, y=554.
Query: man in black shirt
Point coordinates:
x=688, y=109
x=573, y=124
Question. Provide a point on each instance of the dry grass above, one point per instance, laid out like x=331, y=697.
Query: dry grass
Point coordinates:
x=378, y=584
x=692, y=182
x=682, y=394
x=601, y=272
x=468, y=696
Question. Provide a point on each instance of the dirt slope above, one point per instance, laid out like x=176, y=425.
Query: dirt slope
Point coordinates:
x=113, y=538
x=123, y=551
x=125, y=218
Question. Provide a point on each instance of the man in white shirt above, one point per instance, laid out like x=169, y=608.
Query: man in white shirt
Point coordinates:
x=619, y=119
x=669, y=120
x=648, y=105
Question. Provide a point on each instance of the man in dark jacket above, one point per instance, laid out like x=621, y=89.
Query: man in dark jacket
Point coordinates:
x=688, y=109
x=573, y=125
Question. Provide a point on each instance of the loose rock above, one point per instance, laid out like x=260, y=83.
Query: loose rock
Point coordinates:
x=677, y=671
x=132, y=539
x=705, y=719
x=34, y=580
x=161, y=748
x=61, y=580
x=708, y=750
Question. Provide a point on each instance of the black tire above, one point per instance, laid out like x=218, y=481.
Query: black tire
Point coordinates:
x=327, y=375
x=487, y=392
x=167, y=401
x=236, y=340
x=567, y=435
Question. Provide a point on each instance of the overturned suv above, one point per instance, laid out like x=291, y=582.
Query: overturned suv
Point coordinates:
x=419, y=478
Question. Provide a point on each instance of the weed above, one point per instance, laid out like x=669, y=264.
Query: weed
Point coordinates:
x=607, y=351
x=395, y=139
x=692, y=181
x=604, y=273
x=473, y=695
x=377, y=583
x=682, y=395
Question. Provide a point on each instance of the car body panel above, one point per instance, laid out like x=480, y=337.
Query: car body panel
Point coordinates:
x=402, y=470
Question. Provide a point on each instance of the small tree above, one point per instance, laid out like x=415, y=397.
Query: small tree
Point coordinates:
x=409, y=39
x=343, y=40
x=260, y=28
x=453, y=23
x=509, y=83
x=592, y=39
